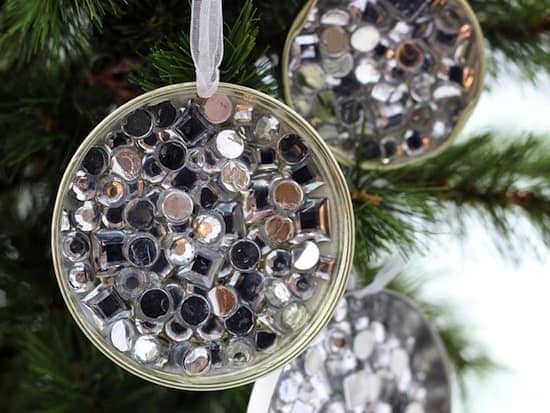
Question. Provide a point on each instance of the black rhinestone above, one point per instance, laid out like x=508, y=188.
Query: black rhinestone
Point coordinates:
x=347, y=86
x=389, y=148
x=95, y=161
x=370, y=149
x=185, y=179
x=160, y=264
x=194, y=310
x=177, y=328
x=119, y=140
x=371, y=13
x=380, y=50
x=309, y=216
x=192, y=128
x=414, y=141
x=114, y=253
x=142, y=251
x=244, y=255
x=240, y=322
x=264, y=340
x=151, y=139
x=111, y=305
x=138, y=124
x=350, y=111
x=201, y=265
x=140, y=214
x=455, y=74
x=208, y=198
x=267, y=156
x=114, y=215
x=171, y=155
x=292, y=148
x=165, y=114
x=216, y=354
x=303, y=175
x=249, y=286
x=445, y=38
x=408, y=8
x=151, y=167
x=154, y=303
x=111, y=245
x=79, y=245
x=261, y=194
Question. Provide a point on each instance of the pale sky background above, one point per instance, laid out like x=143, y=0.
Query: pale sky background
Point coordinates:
x=507, y=304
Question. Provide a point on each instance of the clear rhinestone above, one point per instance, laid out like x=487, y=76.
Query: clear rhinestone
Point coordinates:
x=204, y=269
x=87, y=216
x=421, y=87
x=367, y=72
x=76, y=246
x=294, y=316
x=130, y=282
x=235, y=176
x=194, y=310
x=175, y=205
x=109, y=250
x=305, y=256
x=365, y=38
x=142, y=250
x=81, y=278
x=279, y=229
x=289, y=387
x=267, y=128
x=302, y=285
x=334, y=41
x=106, y=303
x=155, y=305
x=218, y=109
x=181, y=251
x=311, y=77
x=278, y=263
x=209, y=227
x=240, y=352
x=340, y=66
x=336, y=341
x=197, y=361
x=122, y=334
x=229, y=144
x=363, y=344
x=287, y=195
x=112, y=191
x=314, y=361
x=243, y=113
x=84, y=186
x=223, y=301
x=177, y=331
x=277, y=293
x=357, y=390
x=335, y=17
x=126, y=163
x=147, y=349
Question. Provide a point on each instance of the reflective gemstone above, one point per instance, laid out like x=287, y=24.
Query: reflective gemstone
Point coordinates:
x=205, y=267
x=350, y=111
x=95, y=161
x=209, y=227
x=294, y=316
x=249, y=286
x=366, y=72
x=114, y=140
x=156, y=304
x=314, y=217
x=265, y=340
x=177, y=331
x=413, y=140
x=109, y=248
x=181, y=251
x=278, y=263
x=112, y=191
x=185, y=179
x=84, y=186
x=357, y=390
x=105, y=302
x=218, y=109
x=334, y=41
x=241, y=322
x=292, y=148
x=410, y=56
x=139, y=214
x=76, y=246
x=152, y=170
x=193, y=128
x=223, y=301
x=240, y=352
x=212, y=329
x=421, y=87
x=130, y=282
x=339, y=66
x=208, y=198
x=229, y=144
x=197, y=361
x=279, y=229
x=81, y=278
x=244, y=255
x=243, y=113
x=335, y=17
x=194, y=310
x=165, y=114
x=87, y=216
x=142, y=250
x=365, y=38
x=267, y=128
x=302, y=285
x=232, y=214
x=305, y=256
x=235, y=176
x=138, y=124
x=409, y=8
x=171, y=155
x=389, y=147
x=175, y=205
x=126, y=163
x=287, y=195
x=277, y=293
x=148, y=327
x=310, y=77
x=147, y=349
x=122, y=334
x=217, y=354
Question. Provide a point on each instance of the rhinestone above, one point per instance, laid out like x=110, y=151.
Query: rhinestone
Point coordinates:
x=197, y=361
x=155, y=304
x=265, y=340
x=399, y=364
x=366, y=72
x=109, y=248
x=138, y=124
x=267, y=128
x=76, y=246
x=112, y=191
x=130, y=282
x=232, y=214
x=193, y=128
x=287, y=195
x=266, y=158
x=185, y=179
x=171, y=155
x=410, y=56
x=306, y=175
x=305, y=256
x=340, y=66
x=142, y=250
x=337, y=341
x=147, y=349
x=81, y=278
x=241, y=322
x=212, y=329
x=350, y=111
x=217, y=109
x=121, y=335
x=209, y=227
x=95, y=161
x=175, y=205
x=178, y=332
x=365, y=38
x=244, y=255
x=279, y=229
x=302, y=285
x=292, y=148
x=278, y=263
x=235, y=176
x=334, y=41
x=148, y=327
x=421, y=87
x=311, y=77
x=205, y=267
x=294, y=316
x=409, y=8
x=276, y=293
x=223, y=301
x=335, y=407
x=165, y=114
x=314, y=360
x=181, y=251
x=126, y=163
x=313, y=218
x=414, y=141
x=105, y=302
x=243, y=113
x=208, y=198
x=139, y=214
x=87, y=217
x=229, y=144
x=335, y=17
x=84, y=186
x=239, y=352
x=194, y=310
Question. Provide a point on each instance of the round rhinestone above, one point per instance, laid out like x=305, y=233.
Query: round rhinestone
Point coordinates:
x=208, y=198
x=294, y=316
x=152, y=170
x=194, y=310
x=142, y=250
x=244, y=255
x=121, y=335
x=177, y=331
x=278, y=263
x=171, y=155
x=267, y=128
x=312, y=77
x=147, y=349
x=165, y=114
x=76, y=246
x=218, y=109
x=409, y=56
x=335, y=17
x=287, y=195
x=130, y=282
x=240, y=352
x=181, y=251
x=277, y=293
x=138, y=124
x=126, y=163
x=149, y=327
x=212, y=329
x=235, y=176
x=241, y=322
x=229, y=144
x=265, y=340
x=334, y=41
x=249, y=286
x=84, y=186
x=139, y=214
x=176, y=205
x=112, y=191
x=292, y=148
x=209, y=227
x=87, y=217
x=95, y=161
x=365, y=38
x=155, y=304
x=340, y=66
x=279, y=229
x=81, y=278
x=305, y=256
x=223, y=301
x=197, y=361
x=302, y=285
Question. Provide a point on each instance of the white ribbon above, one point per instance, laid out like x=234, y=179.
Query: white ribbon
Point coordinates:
x=393, y=267
x=207, y=44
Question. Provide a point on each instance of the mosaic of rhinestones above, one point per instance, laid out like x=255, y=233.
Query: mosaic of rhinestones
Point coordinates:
x=198, y=236
x=377, y=355
x=386, y=81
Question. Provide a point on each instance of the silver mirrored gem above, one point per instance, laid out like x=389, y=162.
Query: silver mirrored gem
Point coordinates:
x=209, y=227
x=181, y=251
x=197, y=361
x=235, y=176
x=305, y=256
x=229, y=144
x=126, y=163
x=147, y=349
x=81, y=278
x=122, y=334
x=267, y=128
x=175, y=205
x=87, y=216
x=83, y=186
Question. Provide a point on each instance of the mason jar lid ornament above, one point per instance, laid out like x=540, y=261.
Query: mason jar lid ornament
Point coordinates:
x=379, y=354
x=385, y=82
x=201, y=242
